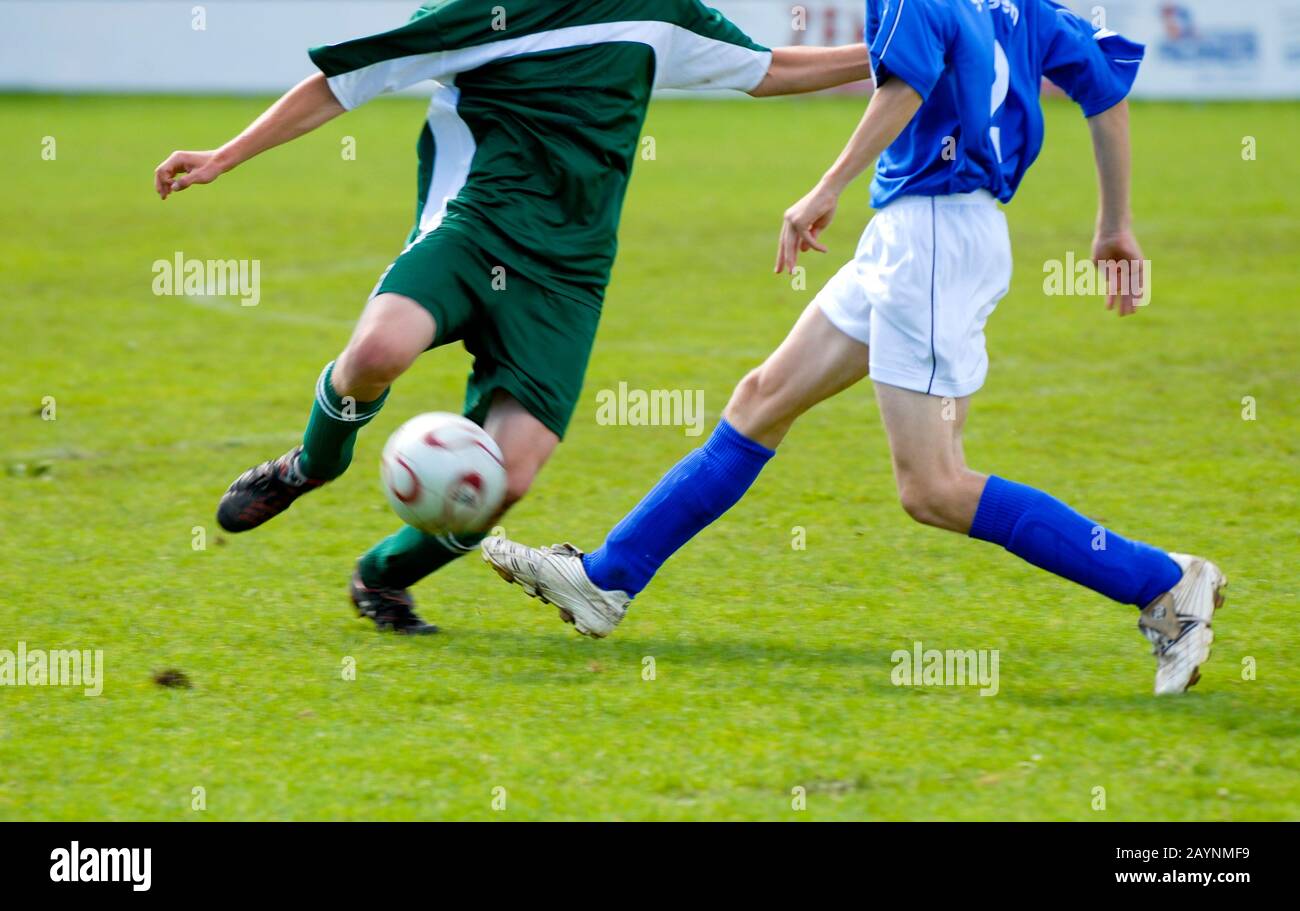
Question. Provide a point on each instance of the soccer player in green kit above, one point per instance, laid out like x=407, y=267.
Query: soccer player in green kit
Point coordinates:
x=524, y=160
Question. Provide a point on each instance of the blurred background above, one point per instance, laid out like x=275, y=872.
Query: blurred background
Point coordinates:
x=1196, y=48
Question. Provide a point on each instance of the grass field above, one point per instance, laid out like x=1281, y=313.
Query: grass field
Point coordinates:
x=772, y=664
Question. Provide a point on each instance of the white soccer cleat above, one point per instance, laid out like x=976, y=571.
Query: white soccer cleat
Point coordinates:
x=555, y=575
x=1178, y=623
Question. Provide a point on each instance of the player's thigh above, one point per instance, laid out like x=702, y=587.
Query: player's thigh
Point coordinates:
x=816, y=361
x=961, y=408
x=924, y=430
x=934, y=483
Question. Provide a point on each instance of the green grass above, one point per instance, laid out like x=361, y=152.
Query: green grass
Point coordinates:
x=773, y=664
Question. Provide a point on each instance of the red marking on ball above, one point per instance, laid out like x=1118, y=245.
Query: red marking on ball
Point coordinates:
x=414, y=495
x=481, y=445
x=430, y=439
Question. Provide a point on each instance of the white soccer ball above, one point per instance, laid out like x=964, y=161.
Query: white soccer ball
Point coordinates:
x=442, y=473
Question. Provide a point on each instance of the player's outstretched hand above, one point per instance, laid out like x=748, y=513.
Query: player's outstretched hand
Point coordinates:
x=804, y=221
x=1119, y=261
x=184, y=169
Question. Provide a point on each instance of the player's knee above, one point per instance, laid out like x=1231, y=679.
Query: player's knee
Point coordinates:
x=757, y=401
x=745, y=397
x=375, y=359
x=918, y=502
x=930, y=501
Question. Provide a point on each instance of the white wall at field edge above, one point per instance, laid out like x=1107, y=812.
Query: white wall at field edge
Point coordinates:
x=1195, y=48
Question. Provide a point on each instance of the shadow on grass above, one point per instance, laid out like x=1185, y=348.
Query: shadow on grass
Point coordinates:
x=546, y=659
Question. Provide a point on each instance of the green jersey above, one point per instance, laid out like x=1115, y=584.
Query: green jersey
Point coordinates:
x=536, y=113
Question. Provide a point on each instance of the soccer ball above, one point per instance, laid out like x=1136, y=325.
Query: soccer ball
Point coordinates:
x=442, y=473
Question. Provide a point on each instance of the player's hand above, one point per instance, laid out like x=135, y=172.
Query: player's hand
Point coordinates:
x=184, y=169
x=1119, y=262
x=804, y=221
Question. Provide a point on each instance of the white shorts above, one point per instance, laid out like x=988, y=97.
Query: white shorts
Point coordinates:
x=926, y=277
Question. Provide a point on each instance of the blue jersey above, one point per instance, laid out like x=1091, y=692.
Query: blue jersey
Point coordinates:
x=978, y=66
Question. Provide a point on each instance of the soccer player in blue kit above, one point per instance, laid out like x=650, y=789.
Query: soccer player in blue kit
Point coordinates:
x=955, y=123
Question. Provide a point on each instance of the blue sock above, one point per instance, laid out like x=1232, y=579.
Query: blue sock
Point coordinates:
x=1044, y=531
x=699, y=489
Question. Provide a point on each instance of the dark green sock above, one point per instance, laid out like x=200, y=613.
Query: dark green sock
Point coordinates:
x=404, y=558
x=332, y=429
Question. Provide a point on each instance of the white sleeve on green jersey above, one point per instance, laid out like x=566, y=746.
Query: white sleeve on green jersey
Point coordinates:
x=707, y=51
x=695, y=47
x=363, y=68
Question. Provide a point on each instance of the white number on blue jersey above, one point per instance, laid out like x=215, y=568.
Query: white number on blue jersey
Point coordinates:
x=1001, y=87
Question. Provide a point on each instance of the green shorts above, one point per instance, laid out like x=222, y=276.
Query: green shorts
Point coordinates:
x=527, y=340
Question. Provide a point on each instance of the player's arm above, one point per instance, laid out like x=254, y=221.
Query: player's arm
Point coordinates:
x=907, y=49
x=810, y=69
x=1115, y=241
x=891, y=108
x=351, y=73
x=302, y=109
x=1096, y=67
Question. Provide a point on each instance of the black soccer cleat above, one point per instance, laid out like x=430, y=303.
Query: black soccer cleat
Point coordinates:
x=261, y=494
x=390, y=608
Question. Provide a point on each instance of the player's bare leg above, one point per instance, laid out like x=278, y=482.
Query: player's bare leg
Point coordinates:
x=381, y=583
x=938, y=489
x=934, y=485
x=392, y=332
x=815, y=362
x=526, y=445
